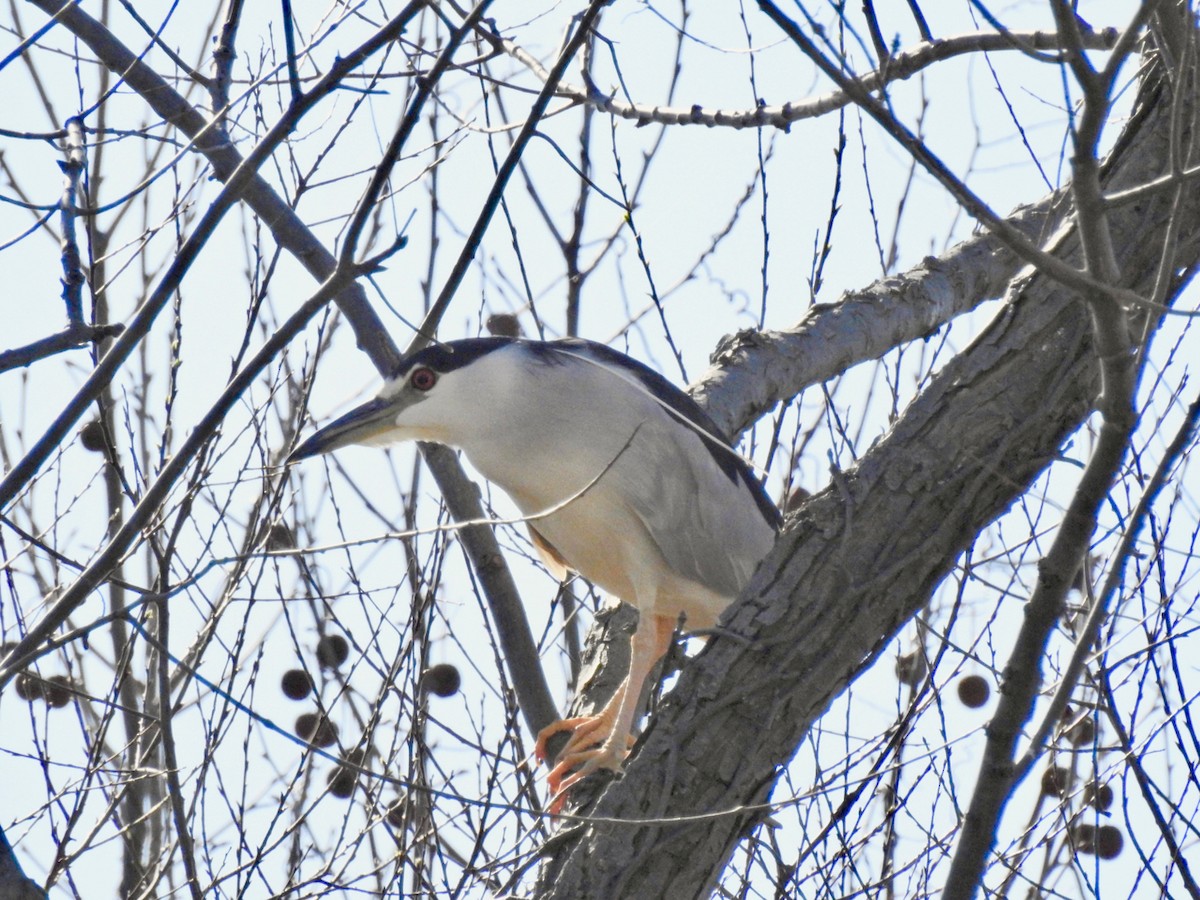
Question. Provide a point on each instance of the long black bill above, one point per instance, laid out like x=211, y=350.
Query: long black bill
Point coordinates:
x=359, y=426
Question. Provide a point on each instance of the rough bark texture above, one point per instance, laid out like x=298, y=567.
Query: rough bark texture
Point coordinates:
x=13, y=883
x=862, y=557
x=754, y=370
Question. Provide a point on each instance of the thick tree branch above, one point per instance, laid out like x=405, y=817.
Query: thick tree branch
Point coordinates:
x=754, y=370
x=860, y=560
x=243, y=182
x=921, y=153
x=1056, y=570
x=14, y=884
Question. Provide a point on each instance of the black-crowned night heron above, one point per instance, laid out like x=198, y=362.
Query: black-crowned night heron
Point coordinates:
x=620, y=476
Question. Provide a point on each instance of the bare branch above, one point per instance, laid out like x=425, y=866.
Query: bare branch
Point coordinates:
x=70, y=339
x=821, y=605
x=900, y=66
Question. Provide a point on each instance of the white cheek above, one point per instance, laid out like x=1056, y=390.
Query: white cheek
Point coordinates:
x=386, y=439
x=425, y=420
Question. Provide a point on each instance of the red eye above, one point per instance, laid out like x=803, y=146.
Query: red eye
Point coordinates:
x=423, y=379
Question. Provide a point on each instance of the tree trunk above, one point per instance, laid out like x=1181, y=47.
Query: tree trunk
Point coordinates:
x=865, y=555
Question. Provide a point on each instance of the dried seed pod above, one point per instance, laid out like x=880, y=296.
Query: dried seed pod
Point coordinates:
x=911, y=668
x=1056, y=781
x=503, y=325
x=357, y=757
x=58, y=691
x=279, y=537
x=396, y=812
x=91, y=436
x=342, y=781
x=1081, y=732
x=332, y=651
x=30, y=687
x=316, y=729
x=442, y=679
x=1098, y=796
x=1109, y=841
x=974, y=691
x=296, y=684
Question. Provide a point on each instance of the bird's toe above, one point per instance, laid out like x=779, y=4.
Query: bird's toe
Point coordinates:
x=581, y=727
x=576, y=765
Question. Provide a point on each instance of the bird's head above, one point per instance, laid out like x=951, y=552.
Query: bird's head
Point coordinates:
x=437, y=394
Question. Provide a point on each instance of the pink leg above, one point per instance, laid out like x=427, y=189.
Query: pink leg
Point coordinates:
x=602, y=741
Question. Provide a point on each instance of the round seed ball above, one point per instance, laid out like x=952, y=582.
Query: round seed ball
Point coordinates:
x=332, y=651
x=316, y=729
x=91, y=436
x=57, y=691
x=279, y=537
x=1098, y=796
x=1082, y=732
x=973, y=691
x=1109, y=841
x=395, y=813
x=296, y=684
x=1056, y=781
x=442, y=679
x=30, y=687
x=342, y=781
x=911, y=668
x=503, y=325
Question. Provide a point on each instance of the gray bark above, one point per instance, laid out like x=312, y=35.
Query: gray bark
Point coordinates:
x=862, y=558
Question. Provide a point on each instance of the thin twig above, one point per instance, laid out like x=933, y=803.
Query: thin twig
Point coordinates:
x=583, y=29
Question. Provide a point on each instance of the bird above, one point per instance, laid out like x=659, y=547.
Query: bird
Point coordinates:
x=619, y=475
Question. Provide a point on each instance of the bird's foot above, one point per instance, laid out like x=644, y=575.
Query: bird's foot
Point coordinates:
x=592, y=747
x=585, y=731
x=575, y=765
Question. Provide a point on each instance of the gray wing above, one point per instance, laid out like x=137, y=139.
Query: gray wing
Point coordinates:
x=699, y=502
x=709, y=527
x=684, y=408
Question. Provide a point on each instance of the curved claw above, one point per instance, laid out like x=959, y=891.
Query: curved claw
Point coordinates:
x=573, y=767
x=560, y=786
x=597, y=742
x=582, y=728
x=593, y=746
